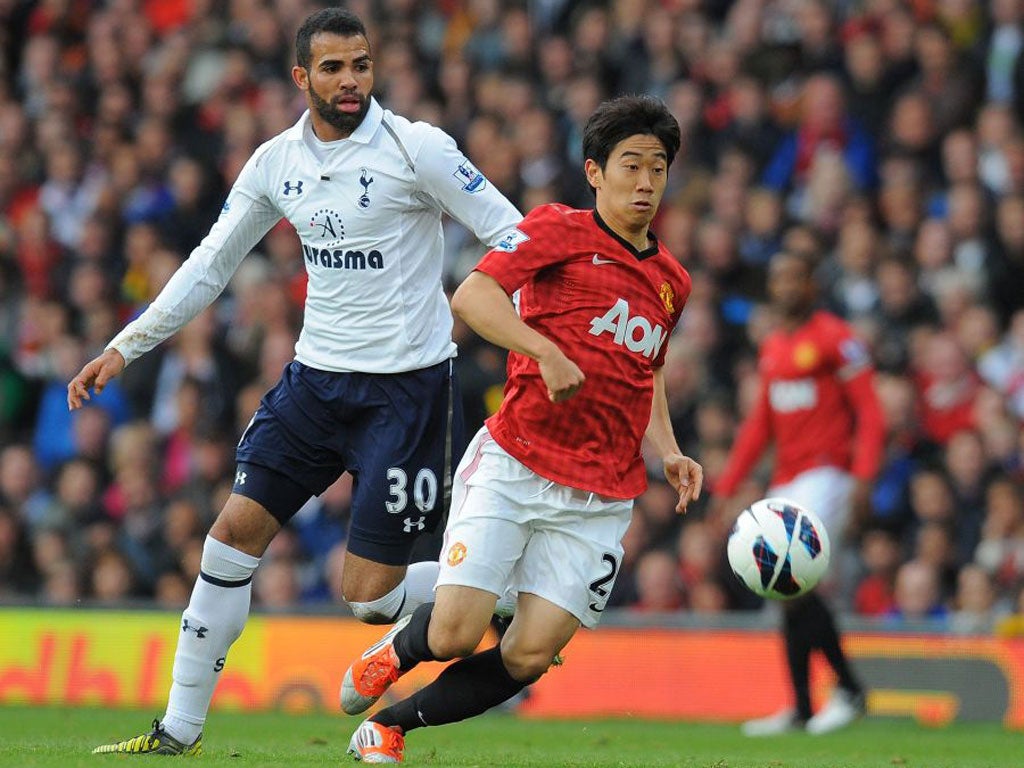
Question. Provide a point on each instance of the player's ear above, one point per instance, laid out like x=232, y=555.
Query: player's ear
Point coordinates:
x=300, y=76
x=594, y=173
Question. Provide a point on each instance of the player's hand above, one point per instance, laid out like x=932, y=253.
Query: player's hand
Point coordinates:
x=686, y=476
x=561, y=375
x=95, y=375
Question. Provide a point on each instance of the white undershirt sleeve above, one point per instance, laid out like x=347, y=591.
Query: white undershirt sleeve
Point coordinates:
x=202, y=277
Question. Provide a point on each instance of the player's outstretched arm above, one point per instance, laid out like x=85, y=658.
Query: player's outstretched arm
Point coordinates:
x=685, y=474
x=95, y=375
x=488, y=310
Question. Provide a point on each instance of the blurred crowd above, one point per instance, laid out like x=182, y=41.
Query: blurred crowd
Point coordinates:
x=884, y=137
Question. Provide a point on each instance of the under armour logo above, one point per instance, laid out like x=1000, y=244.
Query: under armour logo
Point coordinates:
x=295, y=187
x=240, y=477
x=200, y=631
x=408, y=524
x=364, y=199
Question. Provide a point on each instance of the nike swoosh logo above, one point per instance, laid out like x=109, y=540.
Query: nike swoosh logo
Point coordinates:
x=595, y=609
x=598, y=261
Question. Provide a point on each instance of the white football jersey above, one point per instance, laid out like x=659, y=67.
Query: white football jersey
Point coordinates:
x=368, y=212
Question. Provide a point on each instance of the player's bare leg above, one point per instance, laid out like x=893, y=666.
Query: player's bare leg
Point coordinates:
x=245, y=525
x=452, y=626
x=381, y=594
x=538, y=633
x=473, y=685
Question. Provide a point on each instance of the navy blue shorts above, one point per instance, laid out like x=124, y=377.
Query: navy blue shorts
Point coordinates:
x=399, y=435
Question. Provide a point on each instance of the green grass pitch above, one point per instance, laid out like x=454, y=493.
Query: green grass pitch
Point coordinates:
x=63, y=738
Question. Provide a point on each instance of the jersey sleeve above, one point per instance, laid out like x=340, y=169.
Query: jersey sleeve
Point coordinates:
x=852, y=356
x=754, y=436
x=246, y=217
x=454, y=183
x=856, y=375
x=537, y=242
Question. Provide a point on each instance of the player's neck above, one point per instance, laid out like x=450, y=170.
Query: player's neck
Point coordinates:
x=324, y=131
x=796, y=320
x=638, y=238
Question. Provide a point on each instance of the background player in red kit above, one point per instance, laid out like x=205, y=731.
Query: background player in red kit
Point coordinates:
x=818, y=404
x=545, y=491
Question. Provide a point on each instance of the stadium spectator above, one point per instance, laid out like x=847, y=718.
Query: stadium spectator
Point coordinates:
x=918, y=595
x=880, y=555
x=1001, y=549
x=17, y=570
x=975, y=610
x=698, y=566
x=824, y=127
x=934, y=546
x=658, y=585
x=1002, y=366
x=947, y=387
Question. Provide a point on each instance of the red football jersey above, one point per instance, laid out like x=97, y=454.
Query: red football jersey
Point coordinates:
x=610, y=309
x=817, y=402
x=947, y=406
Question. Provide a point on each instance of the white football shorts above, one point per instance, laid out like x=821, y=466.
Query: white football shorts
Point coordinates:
x=511, y=530
x=826, y=491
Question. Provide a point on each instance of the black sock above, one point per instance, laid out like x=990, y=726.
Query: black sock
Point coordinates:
x=796, y=631
x=411, y=643
x=464, y=689
x=825, y=637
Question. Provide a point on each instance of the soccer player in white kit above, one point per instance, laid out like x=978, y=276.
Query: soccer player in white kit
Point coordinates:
x=370, y=390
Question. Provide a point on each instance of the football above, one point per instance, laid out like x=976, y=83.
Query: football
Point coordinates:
x=778, y=549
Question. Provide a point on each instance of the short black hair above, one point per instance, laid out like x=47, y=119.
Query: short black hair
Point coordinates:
x=625, y=116
x=337, y=21
x=808, y=261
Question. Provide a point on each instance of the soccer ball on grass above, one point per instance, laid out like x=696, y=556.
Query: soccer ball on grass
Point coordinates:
x=778, y=549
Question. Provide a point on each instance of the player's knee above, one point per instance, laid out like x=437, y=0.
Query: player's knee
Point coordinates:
x=527, y=665
x=245, y=526
x=367, y=614
x=386, y=609
x=450, y=641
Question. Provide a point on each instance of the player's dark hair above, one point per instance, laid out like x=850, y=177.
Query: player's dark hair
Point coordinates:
x=337, y=21
x=808, y=261
x=626, y=116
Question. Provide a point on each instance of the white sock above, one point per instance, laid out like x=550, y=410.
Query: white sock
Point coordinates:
x=213, y=620
x=416, y=589
x=420, y=580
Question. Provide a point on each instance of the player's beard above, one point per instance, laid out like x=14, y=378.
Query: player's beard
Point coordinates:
x=343, y=121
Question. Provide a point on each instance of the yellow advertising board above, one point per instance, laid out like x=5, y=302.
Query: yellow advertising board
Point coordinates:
x=122, y=659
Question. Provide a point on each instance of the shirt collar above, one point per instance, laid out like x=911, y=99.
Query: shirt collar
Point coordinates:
x=361, y=135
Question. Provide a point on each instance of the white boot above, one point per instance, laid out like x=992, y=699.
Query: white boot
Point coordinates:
x=842, y=709
x=773, y=725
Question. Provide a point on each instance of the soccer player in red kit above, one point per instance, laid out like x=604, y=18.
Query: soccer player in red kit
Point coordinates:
x=817, y=403
x=545, y=491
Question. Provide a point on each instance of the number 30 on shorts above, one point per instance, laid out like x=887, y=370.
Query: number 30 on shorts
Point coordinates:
x=424, y=490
